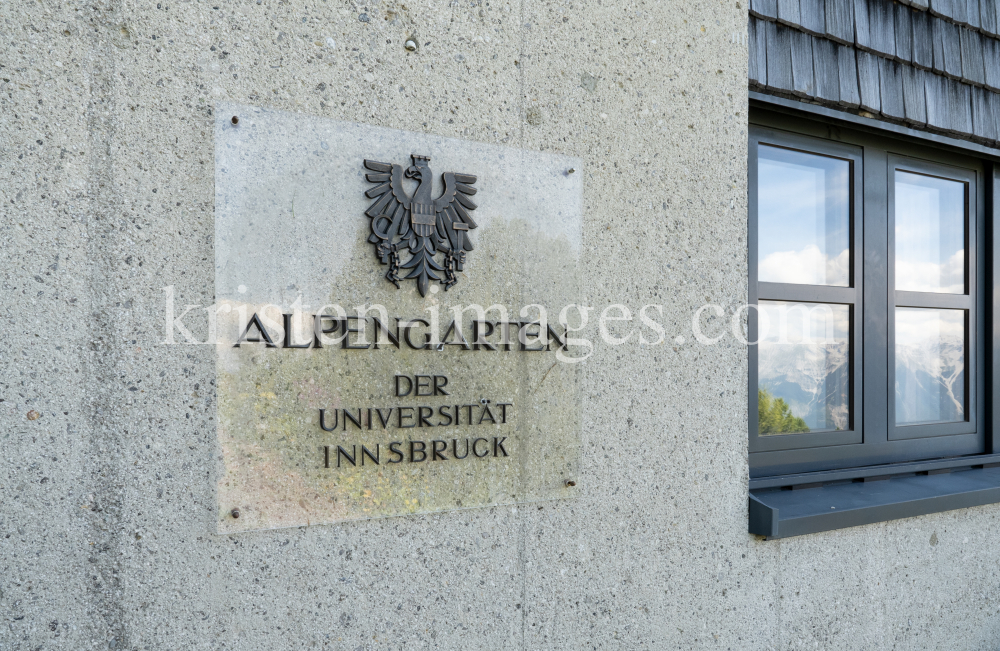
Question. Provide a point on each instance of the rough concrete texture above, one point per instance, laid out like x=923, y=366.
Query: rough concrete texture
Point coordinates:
x=107, y=497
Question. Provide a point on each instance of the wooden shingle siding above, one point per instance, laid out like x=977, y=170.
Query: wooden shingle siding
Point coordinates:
x=951, y=49
x=840, y=21
x=991, y=59
x=904, y=33
x=993, y=105
x=847, y=64
x=959, y=12
x=942, y=8
x=882, y=28
x=890, y=83
x=826, y=70
x=937, y=45
x=960, y=107
x=802, y=65
x=923, y=45
x=914, y=101
x=932, y=64
x=779, y=59
x=788, y=12
x=988, y=17
x=972, y=14
x=766, y=9
x=868, y=82
x=757, y=68
x=983, y=121
x=862, y=37
x=972, y=58
x=813, y=16
x=936, y=95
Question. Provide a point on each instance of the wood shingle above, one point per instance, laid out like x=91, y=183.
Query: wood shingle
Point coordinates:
x=812, y=13
x=941, y=7
x=914, y=103
x=840, y=21
x=788, y=12
x=766, y=9
x=983, y=122
x=972, y=14
x=973, y=71
x=890, y=89
x=847, y=66
x=862, y=38
x=868, y=82
x=988, y=17
x=882, y=27
x=922, y=41
x=948, y=43
x=779, y=56
x=753, y=47
x=936, y=95
x=991, y=63
x=959, y=106
x=826, y=70
x=993, y=107
x=803, y=83
x=904, y=33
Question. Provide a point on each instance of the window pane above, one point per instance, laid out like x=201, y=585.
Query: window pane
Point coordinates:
x=803, y=218
x=930, y=234
x=930, y=365
x=803, y=367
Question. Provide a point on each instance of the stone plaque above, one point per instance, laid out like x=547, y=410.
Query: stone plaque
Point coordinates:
x=388, y=331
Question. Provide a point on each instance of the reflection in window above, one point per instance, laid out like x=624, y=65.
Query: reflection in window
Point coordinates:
x=930, y=365
x=930, y=234
x=803, y=218
x=803, y=361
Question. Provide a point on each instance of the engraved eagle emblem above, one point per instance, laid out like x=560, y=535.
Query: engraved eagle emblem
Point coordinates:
x=419, y=223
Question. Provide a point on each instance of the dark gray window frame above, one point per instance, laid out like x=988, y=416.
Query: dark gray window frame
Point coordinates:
x=806, y=293
x=885, y=487
x=971, y=302
x=873, y=158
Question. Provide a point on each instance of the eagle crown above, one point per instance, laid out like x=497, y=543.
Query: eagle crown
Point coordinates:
x=419, y=167
x=421, y=171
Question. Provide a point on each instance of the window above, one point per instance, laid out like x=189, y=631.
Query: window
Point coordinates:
x=865, y=271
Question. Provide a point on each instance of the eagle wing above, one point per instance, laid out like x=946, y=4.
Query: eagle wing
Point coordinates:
x=453, y=208
x=390, y=201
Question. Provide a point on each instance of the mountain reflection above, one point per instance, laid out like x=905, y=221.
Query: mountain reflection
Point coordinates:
x=930, y=365
x=803, y=358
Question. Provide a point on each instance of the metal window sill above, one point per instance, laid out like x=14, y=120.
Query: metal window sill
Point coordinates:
x=777, y=513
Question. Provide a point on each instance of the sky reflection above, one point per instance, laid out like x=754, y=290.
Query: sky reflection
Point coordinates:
x=803, y=218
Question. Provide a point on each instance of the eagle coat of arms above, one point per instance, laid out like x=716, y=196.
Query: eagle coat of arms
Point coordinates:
x=419, y=223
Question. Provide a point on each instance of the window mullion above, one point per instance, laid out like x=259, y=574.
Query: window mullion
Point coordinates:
x=877, y=296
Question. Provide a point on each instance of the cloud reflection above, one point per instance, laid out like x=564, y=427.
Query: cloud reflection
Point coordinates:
x=803, y=218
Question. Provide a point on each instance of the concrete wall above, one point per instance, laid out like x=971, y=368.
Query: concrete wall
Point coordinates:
x=107, y=499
